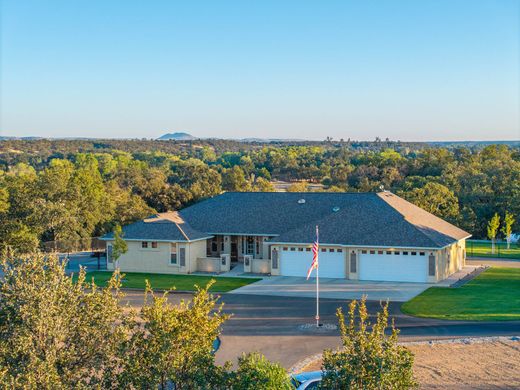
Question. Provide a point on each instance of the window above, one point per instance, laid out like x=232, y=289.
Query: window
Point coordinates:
x=431, y=265
x=109, y=254
x=214, y=244
x=274, y=256
x=300, y=249
x=388, y=252
x=154, y=244
x=397, y=253
x=421, y=253
x=173, y=254
x=293, y=249
x=144, y=244
x=372, y=252
x=250, y=245
x=307, y=249
x=405, y=253
x=340, y=250
x=222, y=246
x=353, y=264
x=182, y=257
x=331, y=250
x=324, y=249
x=413, y=253
x=364, y=252
x=379, y=252
x=284, y=248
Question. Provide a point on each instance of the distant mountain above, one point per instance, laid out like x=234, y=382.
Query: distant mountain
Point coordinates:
x=177, y=137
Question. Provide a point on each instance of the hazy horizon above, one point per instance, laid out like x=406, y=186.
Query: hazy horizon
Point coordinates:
x=406, y=70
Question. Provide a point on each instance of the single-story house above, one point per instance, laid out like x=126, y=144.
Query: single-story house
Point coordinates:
x=363, y=236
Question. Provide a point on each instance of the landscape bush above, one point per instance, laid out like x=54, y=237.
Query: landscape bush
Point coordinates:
x=369, y=358
x=255, y=372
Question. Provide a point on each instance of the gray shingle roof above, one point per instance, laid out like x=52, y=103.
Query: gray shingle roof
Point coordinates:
x=160, y=227
x=372, y=219
x=364, y=219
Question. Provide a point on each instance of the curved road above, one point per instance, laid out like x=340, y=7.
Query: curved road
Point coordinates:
x=271, y=325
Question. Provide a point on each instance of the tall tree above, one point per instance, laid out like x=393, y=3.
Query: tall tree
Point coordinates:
x=56, y=333
x=174, y=344
x=119, y=247
x=436, y=199
x=234, y=179
x=492, y=230
x=507, y=227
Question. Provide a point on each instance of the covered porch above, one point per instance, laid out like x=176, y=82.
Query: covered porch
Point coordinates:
x=253, y=253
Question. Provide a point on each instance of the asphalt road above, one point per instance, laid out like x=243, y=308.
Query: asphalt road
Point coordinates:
x=271, y=325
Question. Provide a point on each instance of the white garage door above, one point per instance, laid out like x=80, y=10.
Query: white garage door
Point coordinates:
x=296, y=263
x=393, y=268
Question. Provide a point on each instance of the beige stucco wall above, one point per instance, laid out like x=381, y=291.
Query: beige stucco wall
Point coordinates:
x=456, y=253
x=157, y=260
x=260, y=266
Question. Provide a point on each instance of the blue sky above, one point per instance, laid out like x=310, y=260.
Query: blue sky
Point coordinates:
x=408, y=70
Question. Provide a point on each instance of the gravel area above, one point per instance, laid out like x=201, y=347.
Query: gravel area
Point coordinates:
x=472, y=363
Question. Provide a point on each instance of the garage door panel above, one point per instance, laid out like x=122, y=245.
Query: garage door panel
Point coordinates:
x=332, y=264
x=393, y=268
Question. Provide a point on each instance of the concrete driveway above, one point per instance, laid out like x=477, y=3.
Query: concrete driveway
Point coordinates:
x=289, y=286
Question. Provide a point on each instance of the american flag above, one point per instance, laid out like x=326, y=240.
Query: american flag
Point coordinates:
x=315, y=250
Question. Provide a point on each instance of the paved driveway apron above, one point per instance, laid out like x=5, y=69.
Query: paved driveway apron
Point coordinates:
x=288, y=286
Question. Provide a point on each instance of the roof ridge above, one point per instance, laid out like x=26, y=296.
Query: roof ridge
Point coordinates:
x=404, y=216
x=182, y=231
x=413, y=224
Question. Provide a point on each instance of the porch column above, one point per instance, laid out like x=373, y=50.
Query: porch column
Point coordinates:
x=227, y=244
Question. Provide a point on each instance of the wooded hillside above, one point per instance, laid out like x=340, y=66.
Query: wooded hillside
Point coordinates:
x=73, y=189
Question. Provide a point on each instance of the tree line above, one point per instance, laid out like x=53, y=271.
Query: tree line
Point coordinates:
x=72, y=190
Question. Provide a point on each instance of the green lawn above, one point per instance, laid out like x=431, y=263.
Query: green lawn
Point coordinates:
x=483, y=249
x=164, y=282
x=494, y=295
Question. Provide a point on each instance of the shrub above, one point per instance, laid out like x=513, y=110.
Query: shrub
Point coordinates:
x=369, y=359
x=256, y=372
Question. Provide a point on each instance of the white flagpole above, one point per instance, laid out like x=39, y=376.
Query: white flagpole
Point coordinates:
x=317, y=281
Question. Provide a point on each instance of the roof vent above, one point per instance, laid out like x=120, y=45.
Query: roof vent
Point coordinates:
x=335, y=208
x=301, y=201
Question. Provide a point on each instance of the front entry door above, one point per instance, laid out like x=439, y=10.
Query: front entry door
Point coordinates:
x=234, y=250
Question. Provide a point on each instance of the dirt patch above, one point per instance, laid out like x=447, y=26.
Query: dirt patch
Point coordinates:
x=493, y=365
